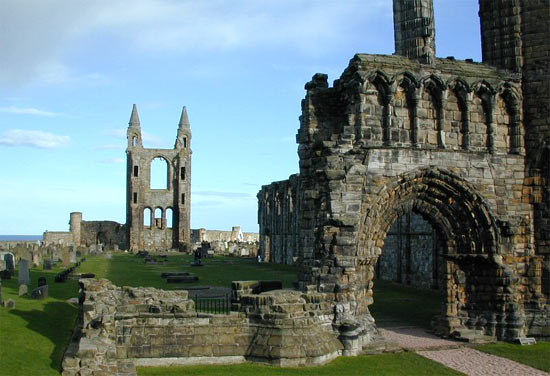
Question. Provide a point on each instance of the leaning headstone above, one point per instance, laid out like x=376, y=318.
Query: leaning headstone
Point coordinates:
x=24, y=278
x=42, y=281
x=40, y=292
x=23, y=289
x=10, y=303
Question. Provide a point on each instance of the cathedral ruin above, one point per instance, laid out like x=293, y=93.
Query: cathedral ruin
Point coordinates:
x=428, y=171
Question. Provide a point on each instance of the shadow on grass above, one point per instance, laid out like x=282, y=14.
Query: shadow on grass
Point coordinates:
x=56, y=322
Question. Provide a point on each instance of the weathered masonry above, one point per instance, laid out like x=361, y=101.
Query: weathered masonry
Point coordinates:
x=462, y=146
x=158, y=217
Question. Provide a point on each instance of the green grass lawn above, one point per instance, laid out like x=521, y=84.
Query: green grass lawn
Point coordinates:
x=537, y=356
x=130, y=270
x=35, y=334
x=405, y=364
x=396, y=304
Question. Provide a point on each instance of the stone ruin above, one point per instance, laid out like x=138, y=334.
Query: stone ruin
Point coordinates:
x=462, y=146
x=458, y=147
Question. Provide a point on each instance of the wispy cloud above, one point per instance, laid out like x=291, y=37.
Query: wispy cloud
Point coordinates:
x=28, y=111
x=183, y=26
x=34, y=139
x=113, y=160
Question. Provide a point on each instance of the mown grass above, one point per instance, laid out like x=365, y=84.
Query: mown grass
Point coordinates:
x=35, y=334
x=401, y=364
x=536, y=356
x=396, y=304
x=130, y=270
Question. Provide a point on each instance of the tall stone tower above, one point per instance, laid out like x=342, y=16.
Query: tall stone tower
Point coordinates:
x=158, y=218
x=414, y=29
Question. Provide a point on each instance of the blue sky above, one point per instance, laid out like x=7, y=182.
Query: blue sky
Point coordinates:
x=71, y=70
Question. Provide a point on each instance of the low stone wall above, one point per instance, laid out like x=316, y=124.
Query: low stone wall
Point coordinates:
x=121, y=328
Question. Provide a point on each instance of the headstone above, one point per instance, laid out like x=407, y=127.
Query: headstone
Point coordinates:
x=42, y=281
x=10, y=303
x=47, y=264
x=40, y=292
x=524, y=341
x=36, y=259
x=10, y=263
x=24, y=278
x=66, y=257
x=0, y=291
x=73, y=257
x=2, y=265
x=23, y=289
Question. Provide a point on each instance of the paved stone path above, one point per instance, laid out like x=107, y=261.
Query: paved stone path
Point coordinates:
x=454, y=355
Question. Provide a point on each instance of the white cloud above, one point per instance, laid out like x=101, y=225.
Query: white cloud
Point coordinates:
x=28, y=111
x=38, y=35
x=35, y=139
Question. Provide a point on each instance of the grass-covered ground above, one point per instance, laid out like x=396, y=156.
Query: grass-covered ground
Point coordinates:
x=396, y=304
x=537, y=356
x=401, y=364
x=34, y=335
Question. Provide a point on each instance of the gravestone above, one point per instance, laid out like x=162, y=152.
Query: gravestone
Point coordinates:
x=10, y=263
x=10, y=303
x=23, y=289
x=2, y=265
x=0, y=291
x=73, y=257
x=66, y=257
x=36, y=259
x=42, y=281
x=526, y=341
x=24, y=278
x=40, y=292
x=47, y=264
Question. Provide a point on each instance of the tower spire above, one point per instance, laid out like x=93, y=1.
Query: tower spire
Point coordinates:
x=184, y=131
x=134, y=118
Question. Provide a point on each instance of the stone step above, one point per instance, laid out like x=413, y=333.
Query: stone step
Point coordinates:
x=472, y=336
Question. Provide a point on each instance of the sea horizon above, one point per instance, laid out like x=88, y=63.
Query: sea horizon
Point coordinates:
x=6, y=238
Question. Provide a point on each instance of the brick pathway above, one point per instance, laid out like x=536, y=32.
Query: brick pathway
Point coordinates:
x=454, y=355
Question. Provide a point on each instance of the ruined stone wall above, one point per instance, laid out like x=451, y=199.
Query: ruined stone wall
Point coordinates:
x=411, y=254
x=109, y=233
x=121, y=328
x=236, y=235
x=57, y=237
x=278, y=205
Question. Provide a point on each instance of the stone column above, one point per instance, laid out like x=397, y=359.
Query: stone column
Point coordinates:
x=466, y=121
x=491, y=128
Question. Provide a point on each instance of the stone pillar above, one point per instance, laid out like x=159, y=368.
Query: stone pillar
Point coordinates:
x=466, y=121
x=414, y=29
x=75, y=226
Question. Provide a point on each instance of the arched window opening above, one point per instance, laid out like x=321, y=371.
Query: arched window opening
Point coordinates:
x=136, y=171
x=134, y=141
x=410, y=253
x=159, y=173
x=158, y=217
x=185, y=142
x=183, y=198
x=169, y=217
x=135, y=197
x=182, y=173
x=147, y=217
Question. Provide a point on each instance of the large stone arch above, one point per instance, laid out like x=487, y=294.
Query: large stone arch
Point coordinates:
x=470, y=241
